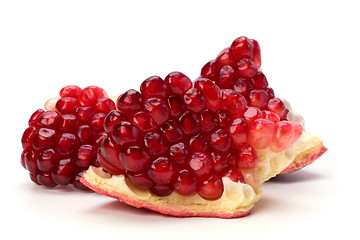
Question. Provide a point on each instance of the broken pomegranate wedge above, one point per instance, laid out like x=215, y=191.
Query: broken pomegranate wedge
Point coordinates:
x=61, y=141
x=192, y=149
x=238, y=67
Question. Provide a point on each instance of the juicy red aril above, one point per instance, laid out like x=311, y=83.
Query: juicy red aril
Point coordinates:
x=235, y=175
x=157, y=109
x=175, y=105
x=261, y=132
x=111, y=119
x=134, y=158
x=189, y=123
x=200, y=164
x=220, y=140
x=144, y=121
x=185, y=183
x=130, y=101
x=247, y=158
x=277, y=106
x=271, y=116
x=154, y=87
x=210, y=91
x=256, y=52
x=162, y=189
x=198, y=143
x=141, y=180
x=239, y=131
x=232, y=101
x=210, y=70
x=156, y=144
x=67, y=105
x=220, y=162
x=243, y=86
x=162, y=170
x=111, y=152
x=225, y=58
x=258, y=98
x=208, y=121
x=171, y=131
x=178, y=83
x=91, y=94
x=226, y=77
x=70, y=91
x=60, y=144
x=211, y=188
x=260, y=81
x=125, y=133
x=246, y=68
x=194, y=100
x=242, y=47
x=179, y=152
x=251, y=114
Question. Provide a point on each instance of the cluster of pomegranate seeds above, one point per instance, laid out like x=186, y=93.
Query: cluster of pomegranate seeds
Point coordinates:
x=60, y=144
x=175, y=135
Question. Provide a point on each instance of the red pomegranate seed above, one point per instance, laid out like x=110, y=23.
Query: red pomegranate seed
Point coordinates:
x=242, y=47
x=270, y=116
x=162, y=170
x=30, y=158
x=175, y=105
x=107, y=166
x=212, y=188
x=110, y=151
x=247, y=158
x=189, y=123
x=45, y=179
x=48, y=119
x=277, y=106
x=198, y=143
x=261, y=132
x=67, y=122
x=144, y=121
x=246, y=68
x=90, y=94
x=43, y=138
x=220, y=162
x=243, y=86
x=134, y=158
x=200, y=164
x=251, y=114
x=185, y=183
x=208, y=121
x=67, y=105
x=178, y=83
x=220, y=140
x=47, y=160
x=155, y=144
x=223, y=118
x=260, y=81
x=258, y=98
x=239, y=131
x=67, y=143
x=225, y=58
x=84, y=113
x=171, y=131
x=226, y=77
x=111, y=119
x=194, y=100
x=97, y=121
x=235, y=175
x=85, y=134
x=34, y=117
x=232, y=102
x=210, y=91
x=256, y=52
x=104, y=105
x=154, y=87
x=28, y=137
x=86, y=156
x=297, y=132
x=162, y=189
x=157, y=109
x=70, y=91
x=130, y=101
x=210, y=70
x=270, y=93
x=65, y=172
x=125, y=133
x=179, y=152
x=140, y=180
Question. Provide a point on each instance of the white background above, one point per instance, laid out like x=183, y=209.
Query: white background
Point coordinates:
x=310, y=53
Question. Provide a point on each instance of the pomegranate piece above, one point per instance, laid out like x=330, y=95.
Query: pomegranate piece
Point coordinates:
x=61, y=143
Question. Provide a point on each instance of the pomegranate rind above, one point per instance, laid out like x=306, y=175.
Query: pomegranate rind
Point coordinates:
x=306, y=157
x=174, y=204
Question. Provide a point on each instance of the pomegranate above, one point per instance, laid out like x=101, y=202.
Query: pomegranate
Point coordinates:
x=61, y=143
